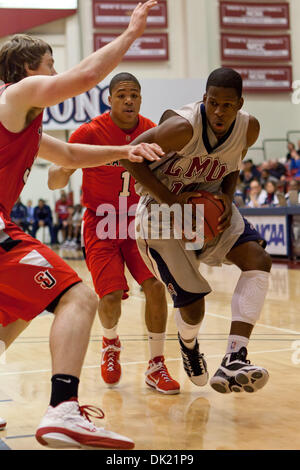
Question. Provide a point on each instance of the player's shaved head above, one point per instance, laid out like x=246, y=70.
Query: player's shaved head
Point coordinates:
x=226, y=78
x=123, y=77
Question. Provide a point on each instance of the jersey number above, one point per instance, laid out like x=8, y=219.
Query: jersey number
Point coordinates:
x=126, y=183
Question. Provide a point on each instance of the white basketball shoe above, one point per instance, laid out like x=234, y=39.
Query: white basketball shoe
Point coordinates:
x=2, y=424
x=68, y=425
x=237, y=374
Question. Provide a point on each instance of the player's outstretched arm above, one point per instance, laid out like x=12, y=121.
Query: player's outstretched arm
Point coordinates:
x=72, y=156
x=172, y=135
x=42, y=91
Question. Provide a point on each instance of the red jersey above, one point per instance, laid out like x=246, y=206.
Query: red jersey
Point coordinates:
x=17, y=154
x=61, y=209
x=105, y=184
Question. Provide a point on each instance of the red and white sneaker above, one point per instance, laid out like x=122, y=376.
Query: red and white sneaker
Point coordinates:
x=2, y=424
x=158, y=377
x=68, y=425
x=110, y=361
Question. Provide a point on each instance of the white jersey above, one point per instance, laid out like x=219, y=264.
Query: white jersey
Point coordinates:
x=203, y=162
x=202, y=165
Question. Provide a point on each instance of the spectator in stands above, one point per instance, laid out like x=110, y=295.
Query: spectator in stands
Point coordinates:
x=265, y=177
x=271, y=199
x=77, y=221
x=43, y=218
x=295, y=164
x=257, y=195
x=19, y=214
x=30, y=216
x=277, y=169
x=291, y=148
x=298, y=151
x=248, y=166
x=293, y=194
x=238, y=198
x=74, y=227
x=62, y=214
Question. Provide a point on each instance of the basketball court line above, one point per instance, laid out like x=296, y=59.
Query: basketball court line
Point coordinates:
x=209, y=356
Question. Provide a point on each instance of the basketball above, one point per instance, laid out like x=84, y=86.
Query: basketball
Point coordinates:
x=213, y=209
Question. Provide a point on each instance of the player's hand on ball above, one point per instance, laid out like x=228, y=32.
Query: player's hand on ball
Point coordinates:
x=225, y=218
x=143, y=151
x=138, y=18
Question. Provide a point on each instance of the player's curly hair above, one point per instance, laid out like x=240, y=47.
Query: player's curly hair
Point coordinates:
x=21, y=49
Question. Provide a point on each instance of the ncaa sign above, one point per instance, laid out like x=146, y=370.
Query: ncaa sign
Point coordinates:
x=274, y=229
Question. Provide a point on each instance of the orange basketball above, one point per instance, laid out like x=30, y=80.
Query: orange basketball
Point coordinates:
x=213, y=209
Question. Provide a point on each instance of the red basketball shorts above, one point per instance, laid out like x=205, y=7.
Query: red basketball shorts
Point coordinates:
x=106, y=258
x=32, y=276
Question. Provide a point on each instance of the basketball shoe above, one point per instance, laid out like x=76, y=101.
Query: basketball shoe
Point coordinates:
x=158, y=377
x=237, y=374
x=2, y=424
x=110, y=363
x=194, y=364
x=69, y=425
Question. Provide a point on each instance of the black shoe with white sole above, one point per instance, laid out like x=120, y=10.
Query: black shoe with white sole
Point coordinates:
x=237, y=374
x=194, y=364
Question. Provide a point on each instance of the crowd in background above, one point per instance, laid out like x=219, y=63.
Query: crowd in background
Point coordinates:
x=272, y=183
x=64, y=226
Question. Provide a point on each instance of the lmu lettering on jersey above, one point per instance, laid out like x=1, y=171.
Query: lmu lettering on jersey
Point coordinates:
x=208, y=168
x=45, y=279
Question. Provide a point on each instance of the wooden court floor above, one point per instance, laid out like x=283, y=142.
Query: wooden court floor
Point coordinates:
x=197, y=418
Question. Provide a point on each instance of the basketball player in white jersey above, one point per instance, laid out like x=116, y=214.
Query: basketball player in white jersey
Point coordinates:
x=205, y=143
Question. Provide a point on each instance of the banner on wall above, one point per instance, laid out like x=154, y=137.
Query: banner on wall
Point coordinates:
x=275, y=78
x=148, y=47
x=258, y=48
x=274, y=229
x=115, y=14
x=240, y=15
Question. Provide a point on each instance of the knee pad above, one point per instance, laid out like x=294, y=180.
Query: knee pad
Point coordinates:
x=249, y=296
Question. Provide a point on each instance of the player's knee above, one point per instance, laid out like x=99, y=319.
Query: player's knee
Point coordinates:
x=86, y=299
x=112, y=299
x=262, y=261
x=154, y=287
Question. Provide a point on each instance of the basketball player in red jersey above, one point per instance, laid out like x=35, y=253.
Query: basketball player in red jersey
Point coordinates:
x=112, y=185
x=32, y=277
x=205, y=143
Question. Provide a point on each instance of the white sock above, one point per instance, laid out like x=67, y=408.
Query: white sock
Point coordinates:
x=235, y=343
x=110, y=333
x=156, y=343
x=186, y=331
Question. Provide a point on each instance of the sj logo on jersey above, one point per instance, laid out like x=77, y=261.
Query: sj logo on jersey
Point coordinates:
x=45, y=279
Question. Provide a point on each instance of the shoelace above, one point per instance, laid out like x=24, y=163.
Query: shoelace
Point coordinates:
x=193, y=362
x=240, y=356
x=159, y=366
x=111, y=350
x=89, y=410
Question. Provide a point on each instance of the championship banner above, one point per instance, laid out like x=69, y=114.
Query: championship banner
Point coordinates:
x=265, y=79
x=116, y=14
x=148, y=47
x=240, y=15
x=258, y=48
